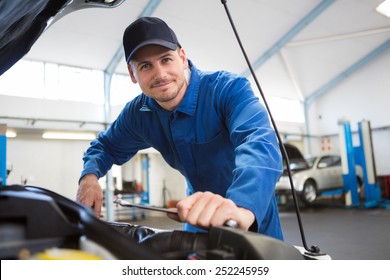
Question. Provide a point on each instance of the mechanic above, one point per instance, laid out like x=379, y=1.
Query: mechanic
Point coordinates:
x=209, y=126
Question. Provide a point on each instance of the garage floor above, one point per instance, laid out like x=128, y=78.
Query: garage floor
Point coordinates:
x=342, y=233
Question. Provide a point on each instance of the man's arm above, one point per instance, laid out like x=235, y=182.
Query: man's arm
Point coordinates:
x=114, y=146
x=257, y=155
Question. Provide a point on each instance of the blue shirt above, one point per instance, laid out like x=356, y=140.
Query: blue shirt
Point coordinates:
x=219, y=138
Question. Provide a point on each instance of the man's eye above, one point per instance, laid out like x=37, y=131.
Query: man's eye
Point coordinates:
x=144, y=66
x=166, y=59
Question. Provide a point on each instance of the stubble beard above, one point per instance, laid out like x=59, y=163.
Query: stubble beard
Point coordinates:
x=172, y=95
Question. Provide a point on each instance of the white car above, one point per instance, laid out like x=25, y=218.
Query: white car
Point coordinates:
x=313, y=176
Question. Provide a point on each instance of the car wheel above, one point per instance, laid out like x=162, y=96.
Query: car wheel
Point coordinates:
x=309, y=193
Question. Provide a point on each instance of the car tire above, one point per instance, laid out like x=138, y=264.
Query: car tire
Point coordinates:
x=309, y=193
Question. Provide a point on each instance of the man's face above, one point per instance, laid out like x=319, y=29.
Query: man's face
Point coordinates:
x=160, y=74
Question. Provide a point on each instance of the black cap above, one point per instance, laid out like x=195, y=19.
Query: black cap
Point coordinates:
x=148, y=31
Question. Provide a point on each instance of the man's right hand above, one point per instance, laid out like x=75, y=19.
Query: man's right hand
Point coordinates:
x=90, y=193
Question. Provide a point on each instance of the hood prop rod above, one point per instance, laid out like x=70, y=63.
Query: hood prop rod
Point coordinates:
x=315, y=250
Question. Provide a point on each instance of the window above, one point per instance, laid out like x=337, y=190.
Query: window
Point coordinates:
x=51, y=81
x=328, y=161
x=122, y=90
x=24, y=79
x=82, y=85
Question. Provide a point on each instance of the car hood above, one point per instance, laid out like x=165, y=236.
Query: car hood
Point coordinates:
x=23, y=21
x=293, y=152
x=296, y=171
x=295, y=158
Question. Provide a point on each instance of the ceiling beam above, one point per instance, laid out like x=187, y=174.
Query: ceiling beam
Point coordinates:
x=290, y=34
x=292, y=76
x=347, y=72
x=338, y=37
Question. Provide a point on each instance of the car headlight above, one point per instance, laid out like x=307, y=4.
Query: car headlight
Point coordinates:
x=283, y=179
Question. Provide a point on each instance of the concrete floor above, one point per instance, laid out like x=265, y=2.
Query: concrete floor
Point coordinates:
x=342, y=233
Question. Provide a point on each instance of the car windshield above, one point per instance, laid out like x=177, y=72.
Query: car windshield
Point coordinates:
x=311, y=161
x=298, y=164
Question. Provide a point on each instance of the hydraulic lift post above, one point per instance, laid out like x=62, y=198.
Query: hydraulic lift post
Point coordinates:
x=348, y=164
x=3, y=155
x=363, y=156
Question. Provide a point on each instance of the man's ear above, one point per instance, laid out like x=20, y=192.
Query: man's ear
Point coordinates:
x=183, y=56
x=132, y=76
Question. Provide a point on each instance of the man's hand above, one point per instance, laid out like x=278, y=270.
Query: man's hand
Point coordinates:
x=205, y=209
x=90, y=193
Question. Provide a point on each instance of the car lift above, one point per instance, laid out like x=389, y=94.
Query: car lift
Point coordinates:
x=363, y=156
x=3, y=157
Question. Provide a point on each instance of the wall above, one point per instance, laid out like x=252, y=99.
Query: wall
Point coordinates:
x=21, y=112
x=365, y=95
x=51, y=164
x=57, y=164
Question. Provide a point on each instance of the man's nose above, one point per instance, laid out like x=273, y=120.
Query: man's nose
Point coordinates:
x=159, y=71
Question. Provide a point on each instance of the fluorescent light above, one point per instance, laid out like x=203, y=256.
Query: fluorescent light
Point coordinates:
x=10, y=134
x=384, y=8
x=68, y=135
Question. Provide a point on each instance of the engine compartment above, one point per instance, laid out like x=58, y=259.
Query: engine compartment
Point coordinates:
x=34, y=220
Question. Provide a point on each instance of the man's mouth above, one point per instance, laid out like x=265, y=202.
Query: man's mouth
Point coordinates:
x=161, y=84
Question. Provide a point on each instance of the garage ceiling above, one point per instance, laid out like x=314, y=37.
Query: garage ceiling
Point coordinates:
x=299, y=48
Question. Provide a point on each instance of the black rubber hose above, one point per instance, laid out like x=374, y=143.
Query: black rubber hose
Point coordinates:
x=176, y=241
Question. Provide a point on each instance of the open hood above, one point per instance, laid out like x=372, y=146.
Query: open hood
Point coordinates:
x=293, y=152
x=23, y=21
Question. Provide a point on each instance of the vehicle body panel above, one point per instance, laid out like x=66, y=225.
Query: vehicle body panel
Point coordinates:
x=323, y=173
